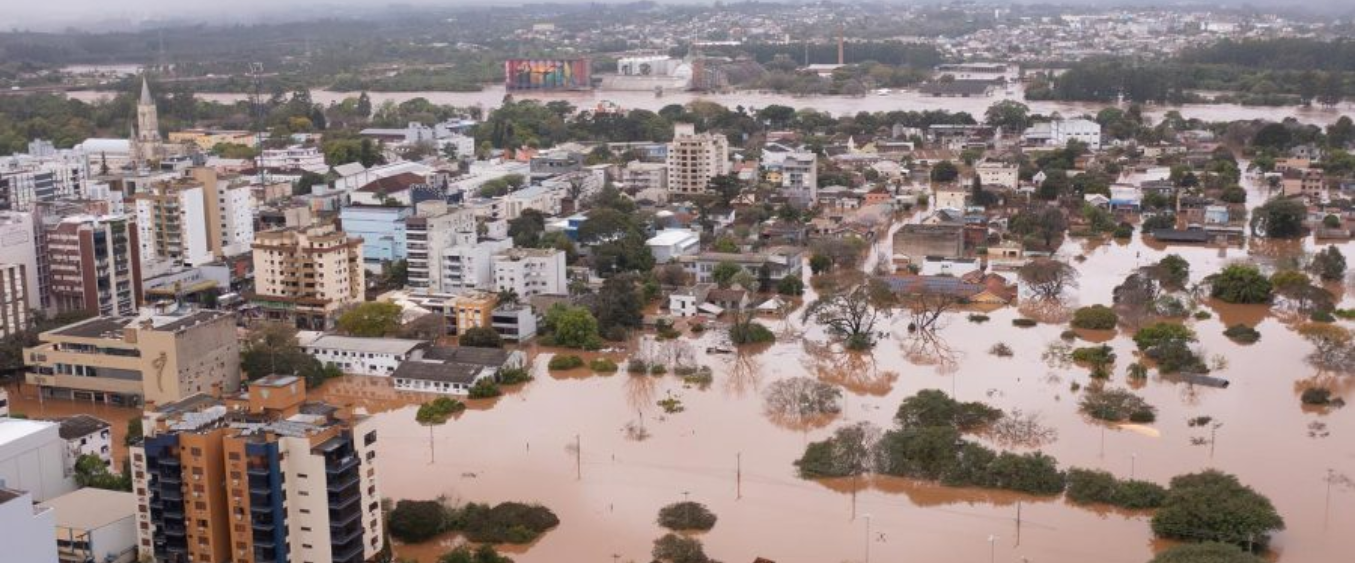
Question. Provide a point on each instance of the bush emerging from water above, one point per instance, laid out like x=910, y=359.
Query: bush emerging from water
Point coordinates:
x=602, y=365
x=1024, y=323
x=508, y=522
x=1215, y=506
x=674, y=548
x=1319, y=396
x=414, y=521
x=687, y=516
x=1087, y=486
x=465, y=554
x=637, y=367
x=1095, y=317
x=1242, y=334
x=1099, y=358
x=1117, y=405
x=564, y=362
x=750, y=333
x=485, y=389
x=1206, y=553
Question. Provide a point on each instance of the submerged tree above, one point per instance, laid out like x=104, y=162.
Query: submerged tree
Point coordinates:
x=1048, y=278
x=850, y=452
x=850, y=315
x=800, y=399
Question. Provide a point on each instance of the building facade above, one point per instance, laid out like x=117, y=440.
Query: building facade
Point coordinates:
x=33, y=459
x=307, y=275
x=261, y=476
x=28, y=528
x=428, y=234
x=95, y=264
x=693, y=159
x=153, y=357
x=382, y=229
x=531, y=271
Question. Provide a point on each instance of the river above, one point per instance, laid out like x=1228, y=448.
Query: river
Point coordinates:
x=908, y=100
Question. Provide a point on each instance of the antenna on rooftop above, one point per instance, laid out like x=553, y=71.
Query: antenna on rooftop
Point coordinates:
x=256, y=105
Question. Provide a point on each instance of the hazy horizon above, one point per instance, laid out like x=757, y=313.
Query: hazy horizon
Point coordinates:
x=100, y=16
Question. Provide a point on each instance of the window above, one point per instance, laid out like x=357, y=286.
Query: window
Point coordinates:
x=369, y=439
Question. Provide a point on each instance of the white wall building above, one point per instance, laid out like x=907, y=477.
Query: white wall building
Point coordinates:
x=95, y=525
x=643, y=176
x=33, y=458
x=531, y=271
x=668, y=244
x=469, y=263
x=18, y=245
x=294, y=158
x=1058, y=132
x=361, y=356
x=797, y=170
x=999, y=174
x=87, y=435
x=28, y=528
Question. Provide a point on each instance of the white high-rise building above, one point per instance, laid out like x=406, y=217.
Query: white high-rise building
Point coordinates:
x=531, y=271
x=693, y=159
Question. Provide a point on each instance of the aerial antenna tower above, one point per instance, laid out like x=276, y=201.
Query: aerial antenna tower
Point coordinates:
x=256, y=105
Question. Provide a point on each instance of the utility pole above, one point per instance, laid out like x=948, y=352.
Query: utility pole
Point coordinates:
x=1133, y=461
x=578, y=458
x=992, y=549
x=1213, y=437
x=738, y=476
x=867, y=538
x=1326, y=508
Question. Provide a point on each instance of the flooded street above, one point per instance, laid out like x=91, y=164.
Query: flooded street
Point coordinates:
x=904, y=100
x=722, y=450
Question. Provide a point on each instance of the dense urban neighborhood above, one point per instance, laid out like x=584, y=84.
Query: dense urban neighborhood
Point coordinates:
x=750, y=281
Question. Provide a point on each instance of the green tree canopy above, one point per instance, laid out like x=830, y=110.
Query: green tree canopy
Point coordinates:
x=371, y=319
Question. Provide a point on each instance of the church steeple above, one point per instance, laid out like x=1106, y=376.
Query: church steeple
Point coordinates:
x=146, y=92
x=148, y=144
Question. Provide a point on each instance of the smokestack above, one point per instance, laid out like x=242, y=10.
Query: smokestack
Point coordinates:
x=840, y=59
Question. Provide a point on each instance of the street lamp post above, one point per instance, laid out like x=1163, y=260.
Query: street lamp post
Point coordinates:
x=867, y=538
x=992, y=549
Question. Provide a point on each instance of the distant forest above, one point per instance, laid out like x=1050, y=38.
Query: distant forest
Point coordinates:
x=1270, y=72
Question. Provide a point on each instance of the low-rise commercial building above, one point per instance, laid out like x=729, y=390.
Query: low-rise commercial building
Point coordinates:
x=28, y=528
x=33, y=459
x=156, y=356
x=453, y=370
x=87, y=435
x=361, y=356
x=95, y=526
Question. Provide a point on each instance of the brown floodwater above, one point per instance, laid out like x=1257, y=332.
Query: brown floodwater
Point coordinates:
x=23, y=400
x=725, y=451
x=910, y=100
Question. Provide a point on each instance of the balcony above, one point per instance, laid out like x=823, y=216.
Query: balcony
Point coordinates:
x=343, y=464
x=349, y=555
x=346, y=535
x=338, y=503
x=341, y=483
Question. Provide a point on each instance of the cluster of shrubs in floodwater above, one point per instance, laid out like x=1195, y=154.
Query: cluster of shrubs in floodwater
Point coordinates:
x=927, y=443
x=413, y=521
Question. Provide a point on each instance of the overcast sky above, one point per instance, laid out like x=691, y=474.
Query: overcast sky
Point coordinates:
x=115, y=14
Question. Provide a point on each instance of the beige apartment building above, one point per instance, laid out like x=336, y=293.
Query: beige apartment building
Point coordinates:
x=205, y=139
x=194, y=220
x=306, y=275
x=153, y=357
x=257, y=477
x=693, y=159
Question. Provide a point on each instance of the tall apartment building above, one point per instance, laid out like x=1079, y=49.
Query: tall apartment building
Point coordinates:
x=531, y=271
x=693, y=159
x=307, y=275
x=428, y=234
x=262, y=476
x=382, y=229
x=15, y=314
x=195, y=220
x=94, y=264
x=155, y=356
x=19, y=245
